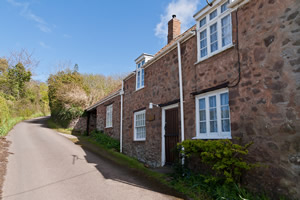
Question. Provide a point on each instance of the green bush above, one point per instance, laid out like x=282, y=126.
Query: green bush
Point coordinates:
x=105, y=141
x=224, y=158
x=4, y=111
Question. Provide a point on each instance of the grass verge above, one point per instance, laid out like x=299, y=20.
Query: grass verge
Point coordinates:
x=11, y=122
x=53, y=125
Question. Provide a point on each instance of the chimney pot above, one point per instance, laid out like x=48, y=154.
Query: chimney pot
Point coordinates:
x=173, y=16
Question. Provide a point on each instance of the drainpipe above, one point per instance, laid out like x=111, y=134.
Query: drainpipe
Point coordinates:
x=181, y=89
x=181, y=92
x=121, y=117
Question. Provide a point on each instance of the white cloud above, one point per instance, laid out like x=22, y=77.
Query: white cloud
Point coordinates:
x=42, y=44
x=28, y=14
x=67, y=36
x=184, y=11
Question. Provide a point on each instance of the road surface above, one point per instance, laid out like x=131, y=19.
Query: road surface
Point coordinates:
x=45, y=165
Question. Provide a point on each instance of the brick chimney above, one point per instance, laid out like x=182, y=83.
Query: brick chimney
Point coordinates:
x=173, y=28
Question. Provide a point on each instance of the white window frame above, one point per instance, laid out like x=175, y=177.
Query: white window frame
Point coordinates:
x=109, y=116
x=140, y=83
x=135, y=127
x=206, y=27
x=208, y=135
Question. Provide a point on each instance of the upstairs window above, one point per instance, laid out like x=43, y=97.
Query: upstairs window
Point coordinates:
x=140, y=75
x=213, y=115
x=214, y=32
x=109, y=112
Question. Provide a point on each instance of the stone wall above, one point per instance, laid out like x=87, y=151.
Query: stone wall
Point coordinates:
x=161, y=86
x=79, y=124
x=264, y=106
x=113, y=131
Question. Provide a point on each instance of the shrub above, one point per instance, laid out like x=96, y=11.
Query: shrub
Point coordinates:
x=224, y=158
x=105, y=140
x=4, y=111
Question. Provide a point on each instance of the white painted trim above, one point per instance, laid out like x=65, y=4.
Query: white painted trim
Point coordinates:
x=163, y=123
x=111, y=120
x=206, y=27
x=121, y=117
x=180, y=91
x=208, y=135
x=235, y=4
x=134, y=131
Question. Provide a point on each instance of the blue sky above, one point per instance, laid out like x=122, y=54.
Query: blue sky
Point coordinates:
x=102, y=37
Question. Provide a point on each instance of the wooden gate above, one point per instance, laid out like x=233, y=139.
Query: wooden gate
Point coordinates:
x=171, y=135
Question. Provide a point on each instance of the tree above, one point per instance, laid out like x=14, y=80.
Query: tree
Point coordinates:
x=3, y=65
x=17, y=76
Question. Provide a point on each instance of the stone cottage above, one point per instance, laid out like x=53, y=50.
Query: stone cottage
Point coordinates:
x=235, y=74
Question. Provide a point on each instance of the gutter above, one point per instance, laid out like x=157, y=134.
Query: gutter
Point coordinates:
x=121, y=117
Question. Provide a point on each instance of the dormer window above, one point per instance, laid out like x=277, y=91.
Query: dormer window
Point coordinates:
x=214, y=30
x=140, y=74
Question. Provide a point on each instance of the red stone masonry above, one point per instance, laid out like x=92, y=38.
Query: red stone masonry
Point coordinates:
x=264, y=105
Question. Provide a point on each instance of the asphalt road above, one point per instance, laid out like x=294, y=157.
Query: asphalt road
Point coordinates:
x=45, y=165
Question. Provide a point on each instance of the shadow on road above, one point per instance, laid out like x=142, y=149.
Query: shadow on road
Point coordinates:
x=111, y=170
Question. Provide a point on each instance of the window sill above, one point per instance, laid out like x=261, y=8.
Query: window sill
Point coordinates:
x=139, y=140
x=108, y=127
x=136, y=90
x=211, y=137
x=215, y=53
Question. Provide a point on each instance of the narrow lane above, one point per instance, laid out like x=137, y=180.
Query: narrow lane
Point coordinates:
x=45, y=165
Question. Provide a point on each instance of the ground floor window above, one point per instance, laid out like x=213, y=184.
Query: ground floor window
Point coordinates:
x=213, y=115
x=140, y=125
x=109, y=110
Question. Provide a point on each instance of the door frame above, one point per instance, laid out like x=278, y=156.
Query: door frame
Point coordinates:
x=163, y=122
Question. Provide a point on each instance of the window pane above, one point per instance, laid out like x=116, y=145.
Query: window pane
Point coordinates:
x=226, y=30
x=226, y=125
x=224, y=7
x=224, y=99
x=225, y=111
x=202, y=22
x=213, y=126
x=213, y=114
x=203, y=43
x=202, y=127
x=138, y=80
x=212, y=101
x=203, y=35
x=203, y=52
x=202, y=114
x=139, y=65
x=213, y=37
x=143, y=62
x=213, y=14
x=201, y=104
x=142, y=82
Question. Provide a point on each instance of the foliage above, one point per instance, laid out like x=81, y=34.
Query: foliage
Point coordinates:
x=17, y=77
x=20, y=97
x=4, y=111
x=105, y=140
x=70, y=93
x=196, y=186
x=67, y=95
x=222, y=156
x=12, y=121
x=100, y=86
